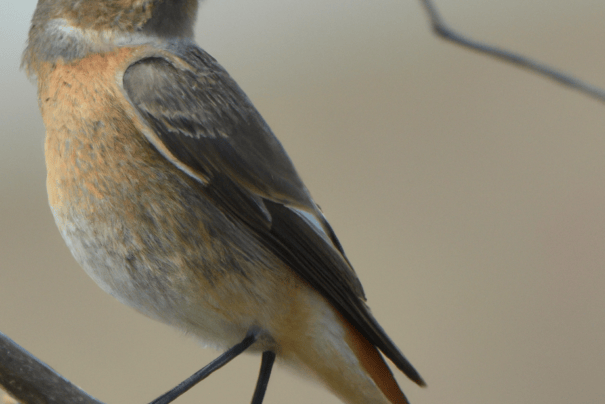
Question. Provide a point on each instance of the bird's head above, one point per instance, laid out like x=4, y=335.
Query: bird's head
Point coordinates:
x=70, y=29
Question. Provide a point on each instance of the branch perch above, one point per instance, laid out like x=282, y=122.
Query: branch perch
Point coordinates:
x=31, y=381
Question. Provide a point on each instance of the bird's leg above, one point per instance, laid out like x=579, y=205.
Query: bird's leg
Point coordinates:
x=208, y=369
x=263, y=377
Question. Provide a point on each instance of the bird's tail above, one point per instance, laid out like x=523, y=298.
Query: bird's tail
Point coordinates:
x=374, y=365
x=330, y=350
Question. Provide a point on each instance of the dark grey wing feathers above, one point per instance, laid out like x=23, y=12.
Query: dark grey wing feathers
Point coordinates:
x=208, y=124
x=297, y=246
x=214, y=120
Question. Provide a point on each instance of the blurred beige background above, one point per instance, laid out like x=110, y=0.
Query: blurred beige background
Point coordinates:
x=469, y=195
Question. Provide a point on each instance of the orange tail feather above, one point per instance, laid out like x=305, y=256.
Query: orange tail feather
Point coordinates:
x=374, y=364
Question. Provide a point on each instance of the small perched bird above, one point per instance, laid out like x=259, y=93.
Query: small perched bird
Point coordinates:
x=174, y=195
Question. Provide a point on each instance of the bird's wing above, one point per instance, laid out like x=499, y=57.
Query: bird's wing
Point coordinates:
x=201, y=118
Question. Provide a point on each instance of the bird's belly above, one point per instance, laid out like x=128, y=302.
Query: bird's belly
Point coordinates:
x=166, y=259
x=135, y=263
x=106, y=259
x=145, y=233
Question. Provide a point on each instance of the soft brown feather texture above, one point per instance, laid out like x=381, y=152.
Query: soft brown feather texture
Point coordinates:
x=174, y=195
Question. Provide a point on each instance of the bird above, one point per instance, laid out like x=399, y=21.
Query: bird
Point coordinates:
x=174, y=195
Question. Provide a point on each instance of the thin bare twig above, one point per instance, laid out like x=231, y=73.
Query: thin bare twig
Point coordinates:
x=445, y=32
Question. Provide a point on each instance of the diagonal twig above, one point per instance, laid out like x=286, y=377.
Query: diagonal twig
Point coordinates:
x=445, y=32
x=31, y=381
